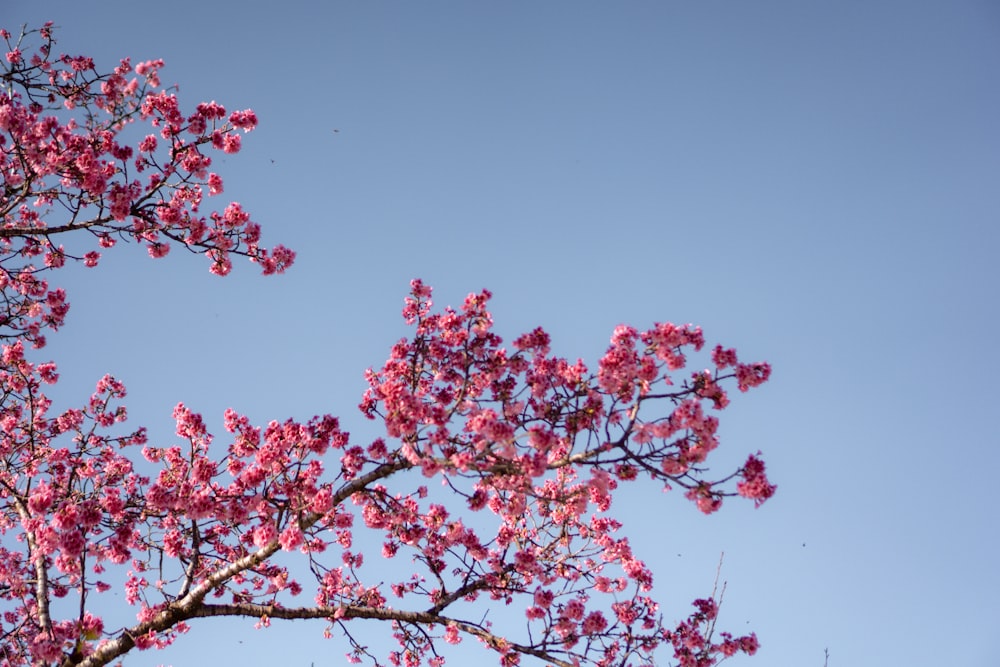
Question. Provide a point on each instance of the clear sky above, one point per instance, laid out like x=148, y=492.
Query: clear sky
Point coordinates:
x=814, y=183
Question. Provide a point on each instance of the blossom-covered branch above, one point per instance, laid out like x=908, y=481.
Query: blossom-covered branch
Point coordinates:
x=66, y=167
x=526, y=450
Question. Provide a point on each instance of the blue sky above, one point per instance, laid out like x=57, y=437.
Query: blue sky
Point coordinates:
x=814, y=183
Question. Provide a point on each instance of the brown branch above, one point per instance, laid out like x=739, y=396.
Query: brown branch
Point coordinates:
x=37, y=559
x=468, y=588
x=347, y=612
x=13, y=232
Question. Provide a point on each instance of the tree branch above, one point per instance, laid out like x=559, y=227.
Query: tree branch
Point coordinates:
x=347, y=612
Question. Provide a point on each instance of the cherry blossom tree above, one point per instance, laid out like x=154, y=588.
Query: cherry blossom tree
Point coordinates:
x=492, y=483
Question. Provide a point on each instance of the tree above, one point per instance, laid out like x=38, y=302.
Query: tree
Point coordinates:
x=527, y=448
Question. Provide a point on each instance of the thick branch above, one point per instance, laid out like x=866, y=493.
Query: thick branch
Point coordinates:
x=38, y=562
x=12, y=232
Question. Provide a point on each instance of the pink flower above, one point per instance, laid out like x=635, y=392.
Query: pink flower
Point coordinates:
x=47, y=372
x=222, y=264
x=41, y=499
x=91, y=627
x=543, y=598
x=231, y=143
x=211, y=110
x=291, y=538
x=723, y=358
x=534, y=613
x=594, y=623
x=72, y=543
x=148, y=145
x=235, y=215
x=245, y=120
x=280, y=259
x=158, y=249
x=574, y=609
x=752, y=375
x=706, y=500
x=55, y=258
x=755, y=484
x=150, y=70
x=264, y=534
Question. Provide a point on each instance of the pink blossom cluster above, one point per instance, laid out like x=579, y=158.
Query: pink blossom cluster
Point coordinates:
x=692, y=638
x=65, y=167
x=71, y=497
x=493, y=478
x=526, y=436
x=65, y=505
x=520, y=435
x=754, y=484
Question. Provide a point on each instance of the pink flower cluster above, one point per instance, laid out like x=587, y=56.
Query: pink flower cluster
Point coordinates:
x=755, y=484
x=457, y=402
x=692, y=638
x=527, y=451
x=62, y=121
